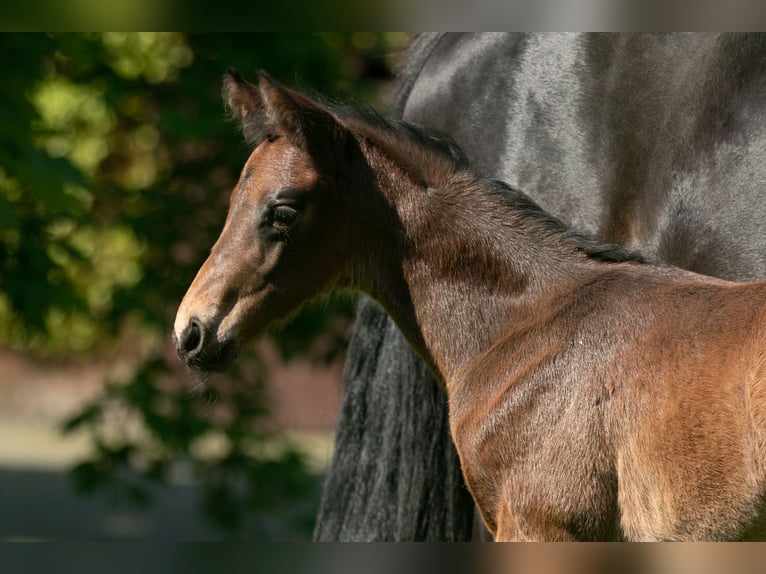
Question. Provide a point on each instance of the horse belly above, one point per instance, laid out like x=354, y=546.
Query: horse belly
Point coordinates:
x=659, y=506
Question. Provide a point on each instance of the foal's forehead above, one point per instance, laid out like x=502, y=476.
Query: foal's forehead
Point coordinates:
x=277, y=164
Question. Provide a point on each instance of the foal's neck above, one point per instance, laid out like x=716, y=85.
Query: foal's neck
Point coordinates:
x=470, y=264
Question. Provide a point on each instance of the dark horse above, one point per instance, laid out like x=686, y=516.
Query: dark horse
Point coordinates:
x=591, y=396
x=653, y=141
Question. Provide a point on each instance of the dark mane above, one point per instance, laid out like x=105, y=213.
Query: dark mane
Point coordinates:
x=594, y=248
x=430, y=141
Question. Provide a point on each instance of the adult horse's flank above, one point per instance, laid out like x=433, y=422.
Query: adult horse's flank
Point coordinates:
x=592, y=396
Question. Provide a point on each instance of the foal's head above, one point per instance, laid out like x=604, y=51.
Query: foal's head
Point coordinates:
x=286, y=237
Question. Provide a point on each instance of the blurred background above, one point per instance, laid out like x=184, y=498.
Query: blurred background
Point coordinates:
x=116, y=163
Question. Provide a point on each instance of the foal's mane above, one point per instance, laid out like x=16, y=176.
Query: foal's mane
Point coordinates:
x=520, y=203
x=416, y=148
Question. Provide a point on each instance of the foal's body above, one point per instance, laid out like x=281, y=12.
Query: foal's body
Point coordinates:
x=591, y=396
x=588, y=399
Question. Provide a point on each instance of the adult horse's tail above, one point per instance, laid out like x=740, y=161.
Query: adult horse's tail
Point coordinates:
x=395, y=474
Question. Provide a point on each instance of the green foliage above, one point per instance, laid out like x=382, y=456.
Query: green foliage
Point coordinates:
x=115, y=169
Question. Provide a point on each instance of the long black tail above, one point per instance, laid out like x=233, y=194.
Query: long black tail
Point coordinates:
x=395, y=474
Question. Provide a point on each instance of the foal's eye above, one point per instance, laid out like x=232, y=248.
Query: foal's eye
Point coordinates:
x=284, y=214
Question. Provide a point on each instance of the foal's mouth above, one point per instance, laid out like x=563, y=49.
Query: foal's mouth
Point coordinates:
x=214, y=358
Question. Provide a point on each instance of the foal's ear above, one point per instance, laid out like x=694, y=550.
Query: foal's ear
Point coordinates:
x=244, y=105
x=270, y=109
x=296, y=116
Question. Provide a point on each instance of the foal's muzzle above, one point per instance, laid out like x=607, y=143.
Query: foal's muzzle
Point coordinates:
x=198, y=346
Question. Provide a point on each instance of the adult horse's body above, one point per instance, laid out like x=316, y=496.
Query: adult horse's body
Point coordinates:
x=655, y=141
x=591, y=396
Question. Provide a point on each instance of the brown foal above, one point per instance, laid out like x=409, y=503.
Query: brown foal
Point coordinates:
x=592, y=396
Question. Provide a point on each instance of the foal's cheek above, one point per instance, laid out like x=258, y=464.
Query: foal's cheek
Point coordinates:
x=268, y=262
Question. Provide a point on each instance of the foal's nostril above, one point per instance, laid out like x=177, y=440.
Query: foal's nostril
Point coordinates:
x=200, y=349
x=191, y=340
